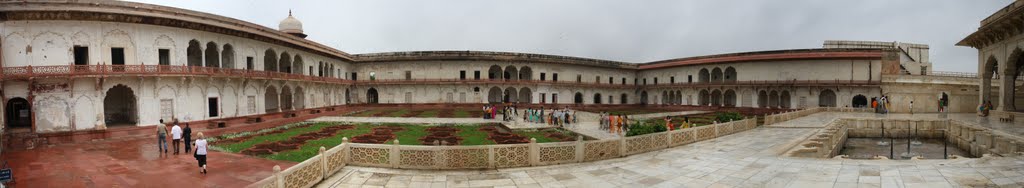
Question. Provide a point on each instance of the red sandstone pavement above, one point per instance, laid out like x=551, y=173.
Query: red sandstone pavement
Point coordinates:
x=131, y=162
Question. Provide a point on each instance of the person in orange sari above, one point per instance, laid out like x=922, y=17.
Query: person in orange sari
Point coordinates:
x=668, y=123
x=620, y=127
x=611, y=124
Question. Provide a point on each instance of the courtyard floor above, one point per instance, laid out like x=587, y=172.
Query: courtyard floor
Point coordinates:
x=131, y=162
x=746, y=159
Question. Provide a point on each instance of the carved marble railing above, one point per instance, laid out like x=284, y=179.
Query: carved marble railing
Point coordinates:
x=786, y=116
x=327, y=162
x=153, y=70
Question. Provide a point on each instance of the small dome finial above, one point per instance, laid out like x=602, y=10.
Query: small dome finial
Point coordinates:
x=289, y=12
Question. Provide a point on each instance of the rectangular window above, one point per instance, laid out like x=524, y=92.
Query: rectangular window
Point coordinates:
x=476, y=75
x=165, y=56
x=81, y=55
x=579, y=78
x=408, y=75
x=554, y=77
x=597, y=79
x=354, y=76
x=623, y=81
x=655, y=80
x=645, y=81
x=689, y=79
x=212, y=103
x=543, y=98
x=249, y=65
x=462, y=75
x=554, y=98
x=672, y=80
x=117, y=56
x=611, y=80
x=543, y=76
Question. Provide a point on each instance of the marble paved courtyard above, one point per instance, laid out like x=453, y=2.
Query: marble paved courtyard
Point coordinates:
x=746, y=159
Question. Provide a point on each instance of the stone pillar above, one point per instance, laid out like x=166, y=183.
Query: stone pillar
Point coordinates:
x=277, y=174
x=534, y=154
x=395, y=154
x=1006, y=88
x=323, y=163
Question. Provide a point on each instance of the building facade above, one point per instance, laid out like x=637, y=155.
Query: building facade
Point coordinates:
x=90, y=65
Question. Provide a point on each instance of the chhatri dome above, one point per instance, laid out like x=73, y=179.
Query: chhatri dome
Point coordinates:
x=291, y=25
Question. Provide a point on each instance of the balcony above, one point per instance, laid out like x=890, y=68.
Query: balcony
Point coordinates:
x=28, y=72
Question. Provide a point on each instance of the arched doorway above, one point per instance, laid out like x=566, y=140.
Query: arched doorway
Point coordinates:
x=578, y=98
x=762, y=99
x=510, y=95
x=212, y=55
x=730, y=74
x=269, y=60
x=730, y=98
x=286, y=98
x=664, y=97
x=18, y=113
x=348, y=97
x=860, y=101
x=511, y=73
x=597, y=98
x=716, y=75
x=119, y=106
x=494, y=95
x=623, y=99
x=194, y=54
x=989, y=72
x=300, y=98
x=716, y=98
x=784, y=99
x=371, y=96
x=297, y=65
x=284, y=64
x=704, y=76
x=827, y=98
x=227, y=57
x=494, y=72
x=525, y=95
x=944, y=102
x=270, y=100
x=643, y=97
x=704, y=97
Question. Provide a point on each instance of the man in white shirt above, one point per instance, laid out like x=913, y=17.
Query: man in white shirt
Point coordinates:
x=176, y=137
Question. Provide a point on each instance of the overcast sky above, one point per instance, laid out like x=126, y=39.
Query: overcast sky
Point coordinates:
x=621, y=30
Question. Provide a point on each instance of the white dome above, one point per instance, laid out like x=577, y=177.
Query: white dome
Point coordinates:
x=290, y=24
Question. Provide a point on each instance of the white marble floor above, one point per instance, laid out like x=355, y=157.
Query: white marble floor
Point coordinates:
x=746, y=159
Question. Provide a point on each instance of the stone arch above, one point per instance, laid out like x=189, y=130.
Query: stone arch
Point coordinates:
x=860, y=101
x=578, y=98
x=511, y=73
x=270, y=60
x=1012, y=69
x=665, y=97
x=297, y=65
x=597, y=98
x=729, y=98
x=227, y=57
x=762, y=99
x=510, y=95
x=194, y=53
x=784, y=101
x=623, y=99
x=49, y=48
x=300, y=98
x=286, y=98
x=643, y=97
x=989, y=71
x=18, y=113
x=348, y=97
x=716, y=98
x=716, y=75
x=730, y=74
x=827, y=98
x=119, y=106
x=494, y=72
x=494, y=95
x=679, y=97
x=525, y=73
x=212, y=55
x=704, y=97
x=285, y=63
x=704, y=76
x=371, y=96
x=525, y=95
x=271, y=100
x=773, y=99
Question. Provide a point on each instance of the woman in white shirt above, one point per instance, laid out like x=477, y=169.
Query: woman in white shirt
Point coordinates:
x=201, y=152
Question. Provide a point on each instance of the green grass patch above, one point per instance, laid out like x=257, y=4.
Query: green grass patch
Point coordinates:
x=460, y=113
x=410, y=136
x=312, y=147
x=366, y=113
x=239, y=146
x=398, y=113
x=471, y=136
x=540, y=135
